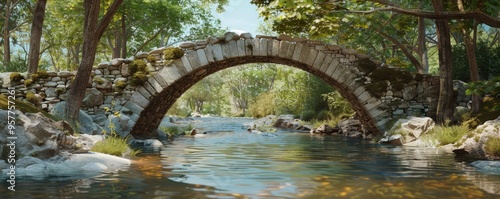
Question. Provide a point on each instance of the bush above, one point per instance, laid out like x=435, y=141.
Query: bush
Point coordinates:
x=116, y=146
x=172, y=53
x=492, y=146
x=263, y=105
x=324, y=115
x=447, y=134
x=307, y=115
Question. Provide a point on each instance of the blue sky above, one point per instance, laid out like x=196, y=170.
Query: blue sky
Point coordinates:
x=240, y=15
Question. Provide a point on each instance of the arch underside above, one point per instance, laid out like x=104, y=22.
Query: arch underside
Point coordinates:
x=150, y=118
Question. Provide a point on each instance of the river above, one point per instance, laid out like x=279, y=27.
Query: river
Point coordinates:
x=229, y=162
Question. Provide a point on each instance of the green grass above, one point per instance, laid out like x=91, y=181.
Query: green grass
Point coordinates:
x=116, y=146
x=444, y=135
x=492, y=146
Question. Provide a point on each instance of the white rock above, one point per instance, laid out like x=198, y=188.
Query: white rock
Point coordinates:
x=95, y=167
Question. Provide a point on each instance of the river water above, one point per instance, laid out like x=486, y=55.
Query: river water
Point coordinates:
x=229, y=162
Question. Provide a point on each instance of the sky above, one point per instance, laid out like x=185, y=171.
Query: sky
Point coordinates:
x=240, y=15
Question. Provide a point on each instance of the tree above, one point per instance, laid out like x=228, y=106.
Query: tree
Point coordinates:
x=92, y=32
x=309, y=15
x=36, y=34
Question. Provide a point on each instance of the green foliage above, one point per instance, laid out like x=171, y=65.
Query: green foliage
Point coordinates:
x=139, y=72
x=447, y=134
x=172, y=53
x=28, y=82
x=15, y=77
x=492, y=146
x=173, y=131
x=35, y=76
x=337, y=104
x=263, y=105
x=491, y=87
x=308, y=115
x=324, y=115
x=487, y=58
x=138, y=78
x=114, y=146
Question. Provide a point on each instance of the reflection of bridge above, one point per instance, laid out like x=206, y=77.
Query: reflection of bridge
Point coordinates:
x=376, y=93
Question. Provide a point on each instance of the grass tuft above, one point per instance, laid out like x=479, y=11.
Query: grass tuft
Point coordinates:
x=446, y=134
x=492, y=146
x=116, y=146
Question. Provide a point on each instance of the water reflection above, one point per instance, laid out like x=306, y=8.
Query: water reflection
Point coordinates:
x=237, y=164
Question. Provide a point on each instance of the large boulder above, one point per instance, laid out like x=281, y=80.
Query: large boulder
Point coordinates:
x=93, y=97
x=409, y=129
x=86, y=125
x=283, y=120
x=121, y=124
x=36, y=135
x=459, y=87
x=325, y=129
x=475, y=145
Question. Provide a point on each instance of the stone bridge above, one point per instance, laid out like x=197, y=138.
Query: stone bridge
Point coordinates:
x=146, y=86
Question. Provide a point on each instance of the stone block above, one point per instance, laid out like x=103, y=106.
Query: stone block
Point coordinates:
x=202, y=57
x=276, y=48
x=311, y=57
x=240, y=44
x=186, y=65
x=139, y=100
x=217, y=52
x=318, y=62
x=283, y=49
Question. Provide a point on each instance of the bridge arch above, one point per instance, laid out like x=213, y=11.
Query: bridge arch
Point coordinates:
x=344, y=69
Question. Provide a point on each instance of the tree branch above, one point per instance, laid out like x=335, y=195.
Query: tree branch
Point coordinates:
x=477, y=15
x=101, y=27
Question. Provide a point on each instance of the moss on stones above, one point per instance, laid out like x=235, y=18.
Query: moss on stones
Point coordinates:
x=137, y=65
x=151, y=58
x=32, y=97
x=172, y=53
x=42, y=74
x=138, y=78
x=28, y=82
x=377, y=88
x=121, y=84
x=366, y=65
x=15, y=77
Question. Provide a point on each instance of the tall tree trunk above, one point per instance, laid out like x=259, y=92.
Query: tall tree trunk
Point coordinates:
x=422, y=44
x=124, y=37
x=36, y=35
x=117, y=46
x=446, y=101
x=470, y=48
x=5, y=36
x=92, y=32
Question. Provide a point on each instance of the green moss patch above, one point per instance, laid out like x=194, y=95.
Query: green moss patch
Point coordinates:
x=22, y=106
x=172, y=53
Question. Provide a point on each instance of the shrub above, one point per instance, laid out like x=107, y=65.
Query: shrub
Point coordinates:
x=28, y=82
x=116, y=146
x=151, y=58
x=263, y=105
x=172, y=53
x=324, y=115
x=15, y=77
x=447, y=134
x=307, y=115
x=492, y=146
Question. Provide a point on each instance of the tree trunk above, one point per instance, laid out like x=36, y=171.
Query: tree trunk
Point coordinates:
x=36, y=35
x=6, y=39
x=422, y=44
x=92, y=32
x=470, y=48
x=124, y=37
x=446, y=101
x=117, y=46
